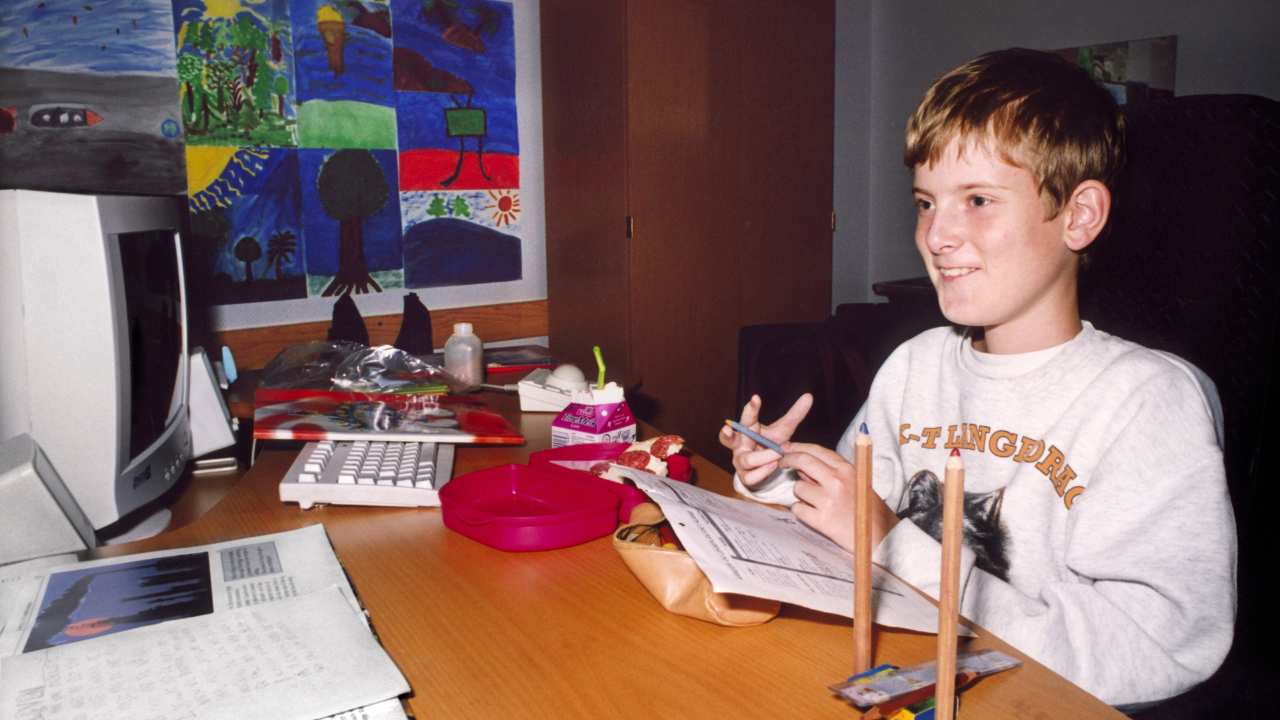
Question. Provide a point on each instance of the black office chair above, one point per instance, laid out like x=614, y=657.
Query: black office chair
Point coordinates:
x=1190, y=266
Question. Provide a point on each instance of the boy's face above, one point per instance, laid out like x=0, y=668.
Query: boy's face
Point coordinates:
x=995, y=260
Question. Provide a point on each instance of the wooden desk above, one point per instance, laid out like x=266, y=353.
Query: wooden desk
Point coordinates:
x=481, y=633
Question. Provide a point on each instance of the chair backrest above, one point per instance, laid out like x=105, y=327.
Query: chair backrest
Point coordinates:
x=1190, y=266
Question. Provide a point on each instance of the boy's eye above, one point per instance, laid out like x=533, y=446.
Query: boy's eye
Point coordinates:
x=923, y=205
x=979, y=200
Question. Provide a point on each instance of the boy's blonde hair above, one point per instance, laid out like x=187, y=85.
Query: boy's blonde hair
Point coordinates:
x=1043, y=113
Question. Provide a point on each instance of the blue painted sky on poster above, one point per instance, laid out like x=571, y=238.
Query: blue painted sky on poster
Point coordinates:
x=492, y=75
x=382, y=245
x=132, y=37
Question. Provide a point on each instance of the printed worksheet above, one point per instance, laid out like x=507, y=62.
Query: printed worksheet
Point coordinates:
x=295, y=659
x=751, y=549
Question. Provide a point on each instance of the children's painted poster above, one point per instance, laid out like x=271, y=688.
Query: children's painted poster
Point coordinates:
x=459, y=159
x=235, y=65
x=245, y=227
x=88, y=97
x=454, y=68
x=342, y=61
x=327, y=147
x=460, y=238
x=351, y=221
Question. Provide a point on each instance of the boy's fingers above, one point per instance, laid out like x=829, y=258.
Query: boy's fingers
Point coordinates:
x=826, y=455
x=786, y=425
x=751, y=412
x=753, y=460
x=814, y=468
x=756, y=475
x=798, y=411
x=807, y=492
x=728, y=437
x=806, y=514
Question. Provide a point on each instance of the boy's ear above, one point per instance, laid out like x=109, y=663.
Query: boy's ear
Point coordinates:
x=1087, y=211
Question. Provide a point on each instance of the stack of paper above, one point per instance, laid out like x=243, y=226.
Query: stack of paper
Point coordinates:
x=260, y=627
x=750, y=549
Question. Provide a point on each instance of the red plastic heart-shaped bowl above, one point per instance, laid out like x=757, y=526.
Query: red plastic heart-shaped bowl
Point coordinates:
x=522, y=508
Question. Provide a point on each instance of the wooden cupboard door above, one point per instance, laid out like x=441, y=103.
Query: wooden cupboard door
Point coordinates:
x=683, y=297
x=785, y=127
x=729, y=183
x=584, y=104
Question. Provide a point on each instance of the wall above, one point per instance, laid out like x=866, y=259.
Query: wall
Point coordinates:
x=900, y=46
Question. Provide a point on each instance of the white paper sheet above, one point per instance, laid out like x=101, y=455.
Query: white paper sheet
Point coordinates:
x=295, y=659
x=209, y=578
x=751, y=549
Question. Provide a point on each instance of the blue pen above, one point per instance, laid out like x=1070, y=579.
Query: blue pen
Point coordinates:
x=756, y=436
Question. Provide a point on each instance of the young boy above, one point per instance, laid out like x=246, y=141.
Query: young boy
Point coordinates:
x=1099, y=535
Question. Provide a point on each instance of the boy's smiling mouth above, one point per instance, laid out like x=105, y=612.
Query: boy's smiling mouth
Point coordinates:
x=955, y=272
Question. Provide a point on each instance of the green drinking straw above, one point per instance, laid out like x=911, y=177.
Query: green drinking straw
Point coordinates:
x=599, y=364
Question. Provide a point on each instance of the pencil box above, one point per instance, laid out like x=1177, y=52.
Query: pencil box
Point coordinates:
x=652, y=553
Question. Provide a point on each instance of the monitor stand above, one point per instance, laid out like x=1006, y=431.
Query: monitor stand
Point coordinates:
x=146, y=526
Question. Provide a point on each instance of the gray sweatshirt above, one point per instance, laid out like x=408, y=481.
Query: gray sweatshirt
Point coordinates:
x=1099, y=534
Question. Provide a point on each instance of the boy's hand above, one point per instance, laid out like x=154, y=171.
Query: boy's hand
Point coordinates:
x=752, y=462
x=825, y=495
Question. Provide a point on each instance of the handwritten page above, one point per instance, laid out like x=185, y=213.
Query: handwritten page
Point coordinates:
x=294, y=659
x=751, y=549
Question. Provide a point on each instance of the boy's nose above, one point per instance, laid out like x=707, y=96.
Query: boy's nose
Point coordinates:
x=941, y=234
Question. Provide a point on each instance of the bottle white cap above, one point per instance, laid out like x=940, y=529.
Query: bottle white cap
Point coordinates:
x=462, y=328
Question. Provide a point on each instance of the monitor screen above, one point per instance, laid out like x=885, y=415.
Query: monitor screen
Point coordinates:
x=153, y=307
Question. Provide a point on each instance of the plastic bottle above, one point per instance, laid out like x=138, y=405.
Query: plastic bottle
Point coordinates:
x=463, y=355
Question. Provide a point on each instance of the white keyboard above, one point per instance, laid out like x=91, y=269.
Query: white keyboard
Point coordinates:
x=362, y=472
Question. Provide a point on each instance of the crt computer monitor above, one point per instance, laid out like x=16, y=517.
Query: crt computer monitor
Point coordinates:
x=93, y=345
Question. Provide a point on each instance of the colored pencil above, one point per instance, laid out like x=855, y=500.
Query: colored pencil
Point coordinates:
x=949, y=593
x=762, y=440
x=862, y=651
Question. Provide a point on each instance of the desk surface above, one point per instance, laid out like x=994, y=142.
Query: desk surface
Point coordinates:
x=570, y=633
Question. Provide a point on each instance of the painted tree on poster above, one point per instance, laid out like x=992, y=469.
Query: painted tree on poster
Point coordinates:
x=352, y=187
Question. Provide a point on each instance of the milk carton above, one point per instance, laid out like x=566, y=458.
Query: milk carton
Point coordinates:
x=594, y=415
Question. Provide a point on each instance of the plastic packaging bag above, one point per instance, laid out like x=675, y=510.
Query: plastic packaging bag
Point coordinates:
x=345, y=365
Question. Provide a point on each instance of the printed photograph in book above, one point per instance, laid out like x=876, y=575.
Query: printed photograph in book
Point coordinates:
x=335, y=415
x=89, y=97
x=83, y=604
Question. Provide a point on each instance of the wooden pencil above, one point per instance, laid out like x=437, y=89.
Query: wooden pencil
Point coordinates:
x=862, y=612
x=949, y=592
